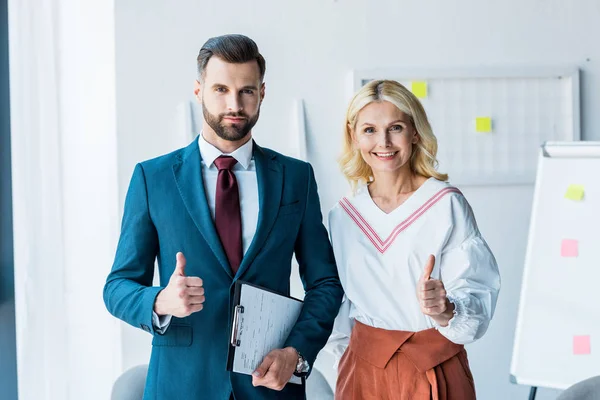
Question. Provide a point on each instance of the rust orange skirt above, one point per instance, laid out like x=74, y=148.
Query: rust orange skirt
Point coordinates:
x=381, y=364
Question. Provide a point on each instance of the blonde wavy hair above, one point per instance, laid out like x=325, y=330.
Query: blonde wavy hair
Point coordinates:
x=423, y=160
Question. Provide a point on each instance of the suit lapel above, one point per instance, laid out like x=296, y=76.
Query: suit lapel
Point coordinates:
x=269, y=174
x=188, y=177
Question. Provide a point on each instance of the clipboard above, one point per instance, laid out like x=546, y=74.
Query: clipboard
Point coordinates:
x=261, y=321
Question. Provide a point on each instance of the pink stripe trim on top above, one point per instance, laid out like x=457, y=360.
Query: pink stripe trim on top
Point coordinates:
x=383, y=245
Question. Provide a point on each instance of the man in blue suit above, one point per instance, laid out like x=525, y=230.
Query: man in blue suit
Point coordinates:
x=220, y=210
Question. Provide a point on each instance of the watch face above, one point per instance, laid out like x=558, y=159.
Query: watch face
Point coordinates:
x=306, y=367
x=302, y=367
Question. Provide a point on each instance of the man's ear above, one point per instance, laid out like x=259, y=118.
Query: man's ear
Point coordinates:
x=198, y=90
x=262, y=92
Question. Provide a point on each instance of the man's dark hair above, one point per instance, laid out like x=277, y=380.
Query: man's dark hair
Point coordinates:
x=235, y=49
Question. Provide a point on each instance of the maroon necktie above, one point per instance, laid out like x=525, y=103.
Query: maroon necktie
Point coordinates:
x=228, y=219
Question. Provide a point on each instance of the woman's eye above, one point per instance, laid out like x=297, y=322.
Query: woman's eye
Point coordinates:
x=369, y=130
x=397, y=128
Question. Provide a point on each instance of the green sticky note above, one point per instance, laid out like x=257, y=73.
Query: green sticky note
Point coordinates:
x=483, y=124
x=419, y=89
x=574, y=192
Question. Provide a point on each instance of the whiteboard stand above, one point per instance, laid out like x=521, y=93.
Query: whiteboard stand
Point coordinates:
x=532, y=393
x=555, y=305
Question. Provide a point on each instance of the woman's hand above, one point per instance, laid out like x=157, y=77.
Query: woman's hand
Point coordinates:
x=432, y=296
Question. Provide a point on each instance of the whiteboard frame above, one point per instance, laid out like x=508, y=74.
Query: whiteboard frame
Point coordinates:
x=358, y=76
x=547, y=150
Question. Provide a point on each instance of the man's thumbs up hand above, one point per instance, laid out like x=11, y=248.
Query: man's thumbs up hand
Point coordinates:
x=183, y=295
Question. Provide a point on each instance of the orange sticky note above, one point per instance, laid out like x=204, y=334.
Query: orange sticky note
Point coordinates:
x=582, y=345
x=569, y=248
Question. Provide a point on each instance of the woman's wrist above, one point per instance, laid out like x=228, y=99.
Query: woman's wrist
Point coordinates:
x=444, y=318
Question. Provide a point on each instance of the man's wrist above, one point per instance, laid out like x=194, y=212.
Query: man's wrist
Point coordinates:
x=302, y=367
x=157, y=304
x=293, y=352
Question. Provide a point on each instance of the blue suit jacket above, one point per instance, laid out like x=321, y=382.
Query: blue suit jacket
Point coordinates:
x=166, y=212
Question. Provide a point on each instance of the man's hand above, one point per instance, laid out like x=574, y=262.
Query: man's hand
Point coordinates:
x=276, y=369
x=183, y=295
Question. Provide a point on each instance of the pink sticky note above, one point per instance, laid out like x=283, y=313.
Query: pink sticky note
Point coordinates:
x=581, y=345
x=569, y=248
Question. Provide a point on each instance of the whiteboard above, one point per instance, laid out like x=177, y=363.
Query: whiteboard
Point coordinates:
x=557, y=339
x=526, y=107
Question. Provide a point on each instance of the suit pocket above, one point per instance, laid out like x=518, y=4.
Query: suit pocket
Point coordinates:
x=176, y=336
x=290, y=208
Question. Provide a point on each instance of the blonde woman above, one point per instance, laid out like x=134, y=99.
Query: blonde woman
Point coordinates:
x=420, y=280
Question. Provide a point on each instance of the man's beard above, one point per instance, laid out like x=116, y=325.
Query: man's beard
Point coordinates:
x=233, y=132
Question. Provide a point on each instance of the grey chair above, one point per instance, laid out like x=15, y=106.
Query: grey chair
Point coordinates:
x=588, y=389
x=130, y=385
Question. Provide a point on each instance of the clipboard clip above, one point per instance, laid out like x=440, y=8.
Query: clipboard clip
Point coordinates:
x=234, y=330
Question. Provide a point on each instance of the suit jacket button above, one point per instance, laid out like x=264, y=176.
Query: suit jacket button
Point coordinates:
x=145, y=327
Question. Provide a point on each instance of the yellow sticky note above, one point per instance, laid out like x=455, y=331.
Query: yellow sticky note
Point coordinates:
x=419, y=89
x=483, y=124
x=574, y=192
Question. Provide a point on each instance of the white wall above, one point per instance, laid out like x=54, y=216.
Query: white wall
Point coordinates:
x=310, y=46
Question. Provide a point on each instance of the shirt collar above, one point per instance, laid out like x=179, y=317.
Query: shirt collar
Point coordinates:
x=210, y=153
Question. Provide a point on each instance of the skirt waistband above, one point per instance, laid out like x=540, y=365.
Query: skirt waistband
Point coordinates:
x=426, y=349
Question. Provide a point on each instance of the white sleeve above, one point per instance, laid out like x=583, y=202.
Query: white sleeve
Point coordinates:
x=161, y=323
x=470, y=275
x=340, y=336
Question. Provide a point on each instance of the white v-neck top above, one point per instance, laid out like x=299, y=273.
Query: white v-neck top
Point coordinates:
x=381, y=257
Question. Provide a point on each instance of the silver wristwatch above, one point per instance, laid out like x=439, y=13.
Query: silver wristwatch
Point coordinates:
x=302, y=366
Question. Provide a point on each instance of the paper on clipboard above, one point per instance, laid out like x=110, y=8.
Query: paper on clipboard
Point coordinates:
x=262, y=321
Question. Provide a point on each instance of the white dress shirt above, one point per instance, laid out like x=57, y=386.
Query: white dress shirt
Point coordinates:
x=245, y=174
x=381, y=257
